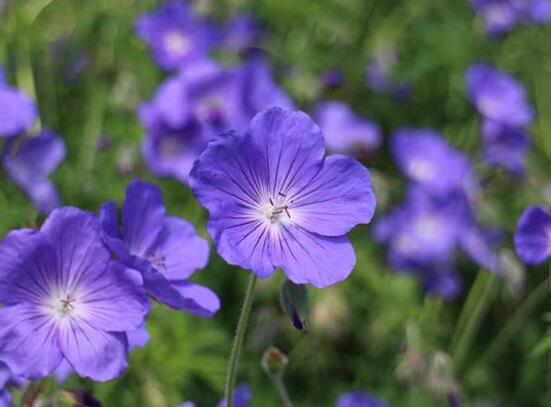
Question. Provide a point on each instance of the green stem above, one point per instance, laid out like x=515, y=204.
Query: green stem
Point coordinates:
x=238, y=339
x=281, y=390
x=531, y=302
x=476, y=306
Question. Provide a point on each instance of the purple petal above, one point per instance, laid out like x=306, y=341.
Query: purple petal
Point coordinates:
x=178, y=251
x=202, y=301
x=358, y=398
x=241, y=397
x=5, y=399
x=479, y=246
x=110, y=231
x=138, y=338
x=444, y=284
x=93, y=353
x=533, y=235
x=505, y=146
x=143, y=213
x=337, y=199
x=539, y=11
x=112, y=301
x=17, y=112
x=28, y=341
x=308, y=258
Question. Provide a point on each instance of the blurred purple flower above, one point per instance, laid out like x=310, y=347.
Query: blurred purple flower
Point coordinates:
x=241, y=398
x=29, y=161
x=332, y=78
x=379, y=73
x=241, y=32
x=426, y=158
x=498, y=96
x=65, y=300
x=198, y=104
x=18, y=112
x=275, y=200
x=533, y=235
x=344, y=132
x=176, y=35
x=505, y=146
x=358, y=398
x=501, y=16
x=7, y=380
x=166, y=250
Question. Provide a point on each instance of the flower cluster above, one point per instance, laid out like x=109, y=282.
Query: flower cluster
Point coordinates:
x=501, y=16
x=70, y=306
x=505, y=111
x=28, y=158
x=437, y=215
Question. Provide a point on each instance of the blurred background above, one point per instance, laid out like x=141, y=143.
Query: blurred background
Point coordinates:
x=395, y=63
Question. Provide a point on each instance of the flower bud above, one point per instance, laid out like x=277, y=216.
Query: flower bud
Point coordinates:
x=294, y=301
x=274, y=361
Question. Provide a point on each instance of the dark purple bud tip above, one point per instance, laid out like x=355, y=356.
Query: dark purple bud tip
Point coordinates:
x=453, y=400
x=332, y=78
x=297, y=323
x=83, y=398
x=294, y=301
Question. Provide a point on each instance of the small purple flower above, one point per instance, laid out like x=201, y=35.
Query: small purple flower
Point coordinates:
x=175, y=35
x=65, y=300
x=29, y=161
x=427, y=159
x=379, y=73
x=358, y=398
x=166, y=250
x=241, y=398
x=505, y=146
x=344, y=132
x=533, y=235
x=332, y=78
x=242, y=32
x=275, y=200
x=198, y=104
x=18, y=112
x=498, y=96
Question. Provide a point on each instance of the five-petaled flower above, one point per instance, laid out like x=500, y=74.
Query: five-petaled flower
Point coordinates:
x=65, y=300
x=275, y=200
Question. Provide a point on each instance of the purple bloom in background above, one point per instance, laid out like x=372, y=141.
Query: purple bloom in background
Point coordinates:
x=166, y=250
x=241, y=32
x=7, y=380
x=29, y=161
x=65, y=300
x=427, y=159
x=498, y=96
x=332, y=78
x=379, y=73
x=275, y=200
x=175, y=35
x=501, y=16
x=533, y=235
x=358, y=398
x=344, y=132
x=505, y=146
x=198, y=104
x=18, y=112
x=241, y=398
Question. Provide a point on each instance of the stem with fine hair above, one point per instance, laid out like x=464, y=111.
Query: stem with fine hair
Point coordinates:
x=238, y=340
x=281, y=390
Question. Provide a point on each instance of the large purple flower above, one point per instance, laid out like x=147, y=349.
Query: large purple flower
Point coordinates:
x=358, y=398
x=29, y=161
x=198, y=104
x=175, y=35
x=17, y=111
x=427, y=159
x=275, y=200
x=498, y=96
x=165, y=249
x=65, y=300
x=533, y=235
x=344, y=132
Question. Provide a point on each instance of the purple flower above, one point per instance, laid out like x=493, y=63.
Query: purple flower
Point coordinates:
x=379, y=73
x=505, y=146
x=5, y=399
x=7, y=380
x=29, y=161
x=198, y=104
x=498, y=96
x=241, y=398
x=166, y=250
x=533, y=235
x=175, y=35
x=65, y=300
x=501, y=16
x=242, y=32
x=358, y=398
x=275, y=200
x=17, y=111
x=343, y=131
x=427, y=159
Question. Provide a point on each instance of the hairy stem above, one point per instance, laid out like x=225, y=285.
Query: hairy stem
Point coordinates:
x=281, y=390
x=238, y=340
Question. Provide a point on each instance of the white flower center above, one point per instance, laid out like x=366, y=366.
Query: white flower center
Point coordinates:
x=428, y=226
x=63, y=305
x=421, y=169
x=176, y=43
x=277, y=209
